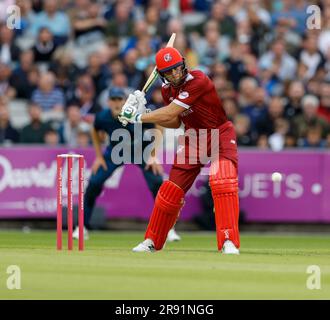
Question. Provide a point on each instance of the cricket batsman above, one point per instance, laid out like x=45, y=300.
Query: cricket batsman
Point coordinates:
x=103, y=166
x=190, y=97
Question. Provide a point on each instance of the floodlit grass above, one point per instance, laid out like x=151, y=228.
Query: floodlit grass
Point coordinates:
x=269, y=267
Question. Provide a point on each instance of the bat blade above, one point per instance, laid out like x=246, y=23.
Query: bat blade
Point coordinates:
x=154, y=74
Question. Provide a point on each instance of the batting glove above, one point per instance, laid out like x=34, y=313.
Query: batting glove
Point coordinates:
x=129, y=110
x=140, y=97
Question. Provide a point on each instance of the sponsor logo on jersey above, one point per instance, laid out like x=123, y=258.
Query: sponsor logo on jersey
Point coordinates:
x=232, y=141
x=167, y=57
x=183, y=95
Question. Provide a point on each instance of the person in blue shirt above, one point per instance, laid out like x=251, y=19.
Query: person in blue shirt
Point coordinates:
x=56, y=21
x=105, y=163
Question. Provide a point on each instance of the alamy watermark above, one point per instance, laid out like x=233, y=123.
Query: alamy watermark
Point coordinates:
x=195, y=146
x=314, y=18
x=14, y=277
x=13, y=17
x=314, y=280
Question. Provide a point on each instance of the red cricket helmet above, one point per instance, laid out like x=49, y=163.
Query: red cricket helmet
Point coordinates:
x=167, y=59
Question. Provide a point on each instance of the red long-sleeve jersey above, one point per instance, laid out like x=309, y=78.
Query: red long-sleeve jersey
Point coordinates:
x=199, y=97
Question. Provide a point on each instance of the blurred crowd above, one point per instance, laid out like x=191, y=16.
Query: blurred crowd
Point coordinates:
x=271, y=71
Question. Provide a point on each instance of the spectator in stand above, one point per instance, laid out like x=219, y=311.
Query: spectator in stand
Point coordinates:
x=324, y=109
x=226, y=23
x=213, y=47
x=87, y=22
x=262, y=142
x=64, y=68
x=37, y=5
x=116, y=66
x=313, y=138
x=84, y=97
x=244, y=35
x=313, y=86
x=218, y=69
x=309, y=117
x=83, y=135
x=235, y=65
x=8, y=134
x=328, y=141
x=22, y=78
x=247, y=87
x=277, y=139
x=254, y=7
x=266, y=124
x=290, y=140
x=243, y=132
x=324, y=37
x=279, y=61
x=270, y=82
x=296, y=92
x=134, y=76
x=191, y=57
x=98, y=71
x=47, y=95
x=44, y=47
x=68, y=132
x=52, y=138
x=156, y=99
x=291, y=39
x=120, y=80
x=139, y=32
x=258, y=108
x=54, y=20
x=35, y=131
x=251, y=65
x=146, y=55
x=121, y=25
x=310, y=56
x=174, y=25
x=220, y=84
x=6, y=89
x=27, y=17
x=293, y=14
x=258, y=26
x=231, y=107
x=9, y=52
x=156, y=19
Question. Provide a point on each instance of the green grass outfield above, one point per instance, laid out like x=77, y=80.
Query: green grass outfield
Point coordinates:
x=269, y=267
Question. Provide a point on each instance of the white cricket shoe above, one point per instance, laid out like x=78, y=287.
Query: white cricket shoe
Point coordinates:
x=229, y=248
x=173, y=236
x=75, y=234
x=145, y=246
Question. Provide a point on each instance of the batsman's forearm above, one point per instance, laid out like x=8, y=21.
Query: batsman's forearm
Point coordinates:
x=158, y=116
x=96, y=143
x=173, y=124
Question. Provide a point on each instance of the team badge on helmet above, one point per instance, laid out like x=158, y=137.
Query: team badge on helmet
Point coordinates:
x=167, y=57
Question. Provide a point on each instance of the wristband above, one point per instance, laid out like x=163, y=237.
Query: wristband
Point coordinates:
x=138, y=118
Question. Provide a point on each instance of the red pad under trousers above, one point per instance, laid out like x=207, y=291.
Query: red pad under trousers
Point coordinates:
x=168, y=204
x=224, y=186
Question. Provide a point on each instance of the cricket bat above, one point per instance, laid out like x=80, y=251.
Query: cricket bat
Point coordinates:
x=154, y=74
